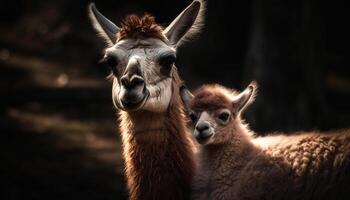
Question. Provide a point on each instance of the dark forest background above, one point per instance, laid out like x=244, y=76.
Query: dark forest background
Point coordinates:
x=59, y=137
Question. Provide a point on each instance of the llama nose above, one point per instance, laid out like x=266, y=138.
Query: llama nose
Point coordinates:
x=202, y=126
x=203, y=132
x=132, y=76
x=130, y=82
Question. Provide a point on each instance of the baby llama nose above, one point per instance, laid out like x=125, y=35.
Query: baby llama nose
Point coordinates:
x=202, y=126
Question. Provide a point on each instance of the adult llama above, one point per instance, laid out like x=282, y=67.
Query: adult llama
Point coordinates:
x=157, y=148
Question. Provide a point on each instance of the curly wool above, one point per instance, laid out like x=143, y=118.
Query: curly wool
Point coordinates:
x=301, y=166
x=319, y=161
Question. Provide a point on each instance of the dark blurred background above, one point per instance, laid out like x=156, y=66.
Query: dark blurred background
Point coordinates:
x=59, y=137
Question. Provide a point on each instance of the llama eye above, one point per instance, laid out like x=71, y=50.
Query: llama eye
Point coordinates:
x=193, y=117
x=166, y=63
x=112, y=63
x=224, y=116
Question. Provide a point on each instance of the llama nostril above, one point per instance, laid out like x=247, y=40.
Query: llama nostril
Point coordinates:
x=136, y=80
x=203, y=132
x=125, y=81
x=131, y=82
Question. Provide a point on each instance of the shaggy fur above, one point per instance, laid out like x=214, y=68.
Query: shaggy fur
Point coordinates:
x=300, y=166
x=142, y=27
x=157, y=151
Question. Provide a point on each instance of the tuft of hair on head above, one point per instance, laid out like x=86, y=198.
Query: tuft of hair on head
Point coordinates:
x=145, y=26
x=212, y=97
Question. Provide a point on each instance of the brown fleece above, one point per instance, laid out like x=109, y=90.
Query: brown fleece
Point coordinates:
x=134, y=26
x=210, y=97
x=158, y=151
x=307, y=165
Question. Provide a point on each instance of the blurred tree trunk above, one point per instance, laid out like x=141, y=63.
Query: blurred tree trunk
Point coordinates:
x=285, y=56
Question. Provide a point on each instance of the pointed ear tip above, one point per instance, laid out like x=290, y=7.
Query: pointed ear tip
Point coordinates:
x=197, y=3
x=253, y=85
x=92, y=8
x=91, y=5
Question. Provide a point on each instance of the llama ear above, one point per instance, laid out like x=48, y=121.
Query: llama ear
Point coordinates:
x=186, y=24
x=186, y=96
x=107, y=29
x=243, y=99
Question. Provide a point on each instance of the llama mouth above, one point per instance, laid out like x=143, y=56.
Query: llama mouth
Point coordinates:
x=156, y=99
x=134, y=105
x=203, y=139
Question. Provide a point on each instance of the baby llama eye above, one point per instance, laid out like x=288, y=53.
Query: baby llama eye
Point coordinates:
x=224, y=116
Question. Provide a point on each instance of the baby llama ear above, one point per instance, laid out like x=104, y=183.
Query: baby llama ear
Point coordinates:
x=186, y=96
x=243, y=99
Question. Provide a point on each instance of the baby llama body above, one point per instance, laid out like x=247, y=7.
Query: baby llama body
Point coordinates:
x=232, y=164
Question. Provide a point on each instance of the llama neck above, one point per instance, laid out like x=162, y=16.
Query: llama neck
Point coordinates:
x=158, y=154
x=235, y=152
x=142, y=125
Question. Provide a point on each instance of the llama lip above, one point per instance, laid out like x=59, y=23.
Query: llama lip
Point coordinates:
x=201, y=140
x=203, y=137
x=133, y=106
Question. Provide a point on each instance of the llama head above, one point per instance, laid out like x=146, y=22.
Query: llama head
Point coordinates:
x=215, y=111
x=142, y=54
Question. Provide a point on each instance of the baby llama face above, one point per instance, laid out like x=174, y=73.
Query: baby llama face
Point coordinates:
x=215, y=111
